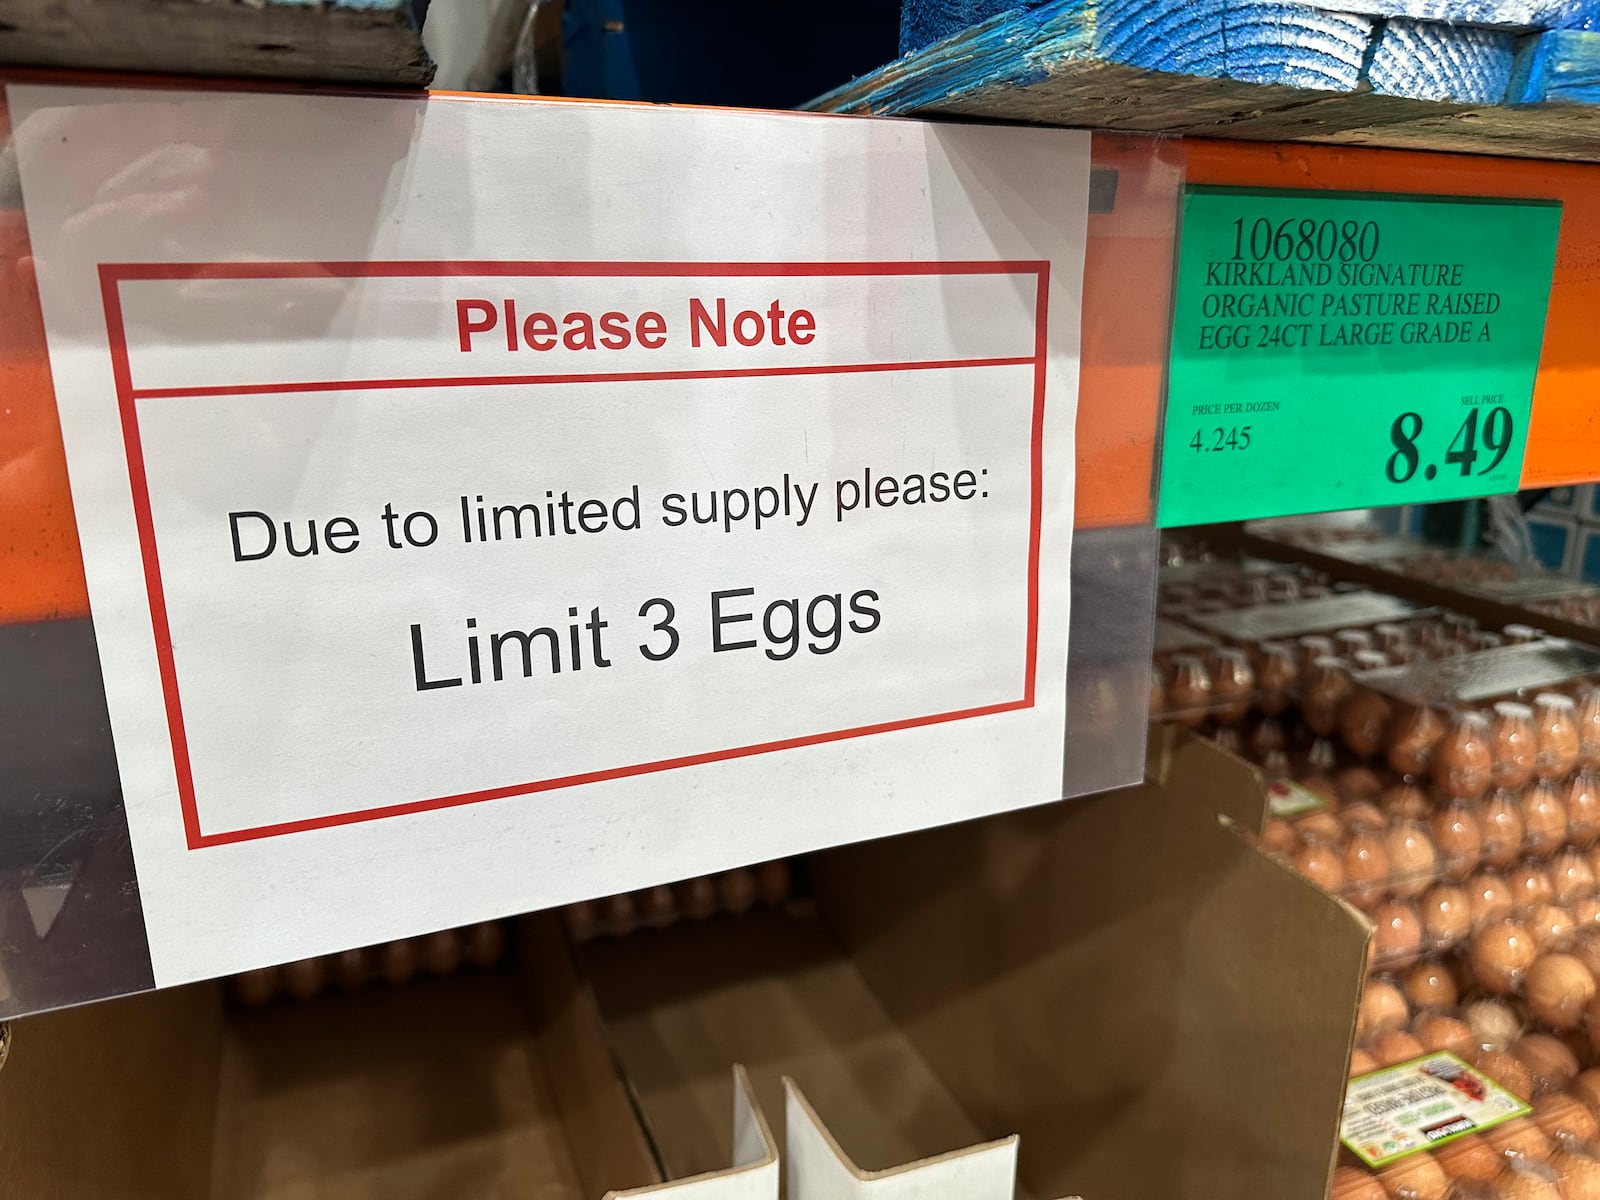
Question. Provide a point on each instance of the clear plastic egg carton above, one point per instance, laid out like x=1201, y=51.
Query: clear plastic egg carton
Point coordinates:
x=1219, y=663
x=1521, y=1012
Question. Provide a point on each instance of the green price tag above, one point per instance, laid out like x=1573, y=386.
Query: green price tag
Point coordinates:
x=1345, y=350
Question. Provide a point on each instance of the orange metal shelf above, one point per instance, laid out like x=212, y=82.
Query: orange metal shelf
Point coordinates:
x=1127, y=282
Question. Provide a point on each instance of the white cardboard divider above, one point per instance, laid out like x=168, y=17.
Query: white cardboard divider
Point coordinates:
x=818, y=1169
x=754, y=1173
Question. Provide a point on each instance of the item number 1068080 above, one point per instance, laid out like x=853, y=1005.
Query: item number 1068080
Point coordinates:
x=1235, y=438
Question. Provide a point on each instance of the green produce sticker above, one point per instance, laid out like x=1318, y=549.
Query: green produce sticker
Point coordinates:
x=1417, y=1105
x=1345, y=350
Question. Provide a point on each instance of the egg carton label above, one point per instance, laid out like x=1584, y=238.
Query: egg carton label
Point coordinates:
x=1286, y=799
x=1417, y=1105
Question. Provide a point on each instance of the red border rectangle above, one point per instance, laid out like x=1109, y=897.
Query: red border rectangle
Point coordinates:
x=113, y=274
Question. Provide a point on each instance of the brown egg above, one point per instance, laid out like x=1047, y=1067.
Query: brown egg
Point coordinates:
x=1559, y=989
x=1586, y=912
x=1413, y=859
x=1583, y=810
x=1359, y=785
x=1592, y=1021
x=1352, y=1183
x=1361, y=1063
x=1572, y=876
x=1320, y=863
x=1397, y=1046
x=582, y=920
x=1429, y=985
x=1584, y=945
x=1416, y=1177
x=1276, y=675
x=1587, y=716
x=485, y=943
x=1438, y=1032
x=1556, y=721
x=1490, y=894
x=1508, y=1071
x=1531, y=886
x=1459, y=838
x=1365, y=863
x=440, y=952
x=1446, y=913
x=699, y=897
x=351, y=969
x=1323, y=825
x=1589, y=727
x=1501, y=954
x=1397, y=934
x=305, y=978
x=1406, y=802
x=1516, y=746
x=1580, y=1175
x=1503, y=829
x=1551, y=924
x=1470, y=1157
x=1383, y=1007
x=1544, y=819
x=1529, y=1181
x=1363, y=720
x=1560, y=1115
x=397, y=961
x=619, y=915
x=1552, y=1062
x=1324, y=689
x=736, y=890
x=1278, y=838
x=1520, y=1136
x=1233, y=683
x=255, y=988
x=1586, y=1087
x=1413, y=739
x=1363, y=816
x=774, y=882
x=1188, y=691
x=1463, y=760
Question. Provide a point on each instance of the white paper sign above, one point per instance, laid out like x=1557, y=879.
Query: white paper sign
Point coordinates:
x=489, y=504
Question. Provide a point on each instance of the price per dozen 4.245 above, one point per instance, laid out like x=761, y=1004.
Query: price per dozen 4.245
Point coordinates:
x=1497, y=428
x=1236, y=437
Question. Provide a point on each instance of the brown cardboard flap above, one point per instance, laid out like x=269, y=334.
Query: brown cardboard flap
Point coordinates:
x=770, y=990
x=112, y=1100
x=430, y=1089
x=609, y=1149
x=1155, y=1007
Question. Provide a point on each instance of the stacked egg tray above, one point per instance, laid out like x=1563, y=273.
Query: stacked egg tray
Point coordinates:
x=1542, y=592
x=1448, y=784
x=474, y=947
x=483, y=946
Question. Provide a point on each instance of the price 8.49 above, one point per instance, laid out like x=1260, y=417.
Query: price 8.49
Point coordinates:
x=1236, y=437
x=1463, y=452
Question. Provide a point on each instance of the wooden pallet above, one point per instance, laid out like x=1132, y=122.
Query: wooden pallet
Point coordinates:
x=1275, y=72
x=334, y=41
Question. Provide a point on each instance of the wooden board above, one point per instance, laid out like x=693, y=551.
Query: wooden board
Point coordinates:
x=332, y=41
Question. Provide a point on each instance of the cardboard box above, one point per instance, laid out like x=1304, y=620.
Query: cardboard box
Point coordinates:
x=468, y=1086
x=1158, y=1009
x=1154, y=1006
